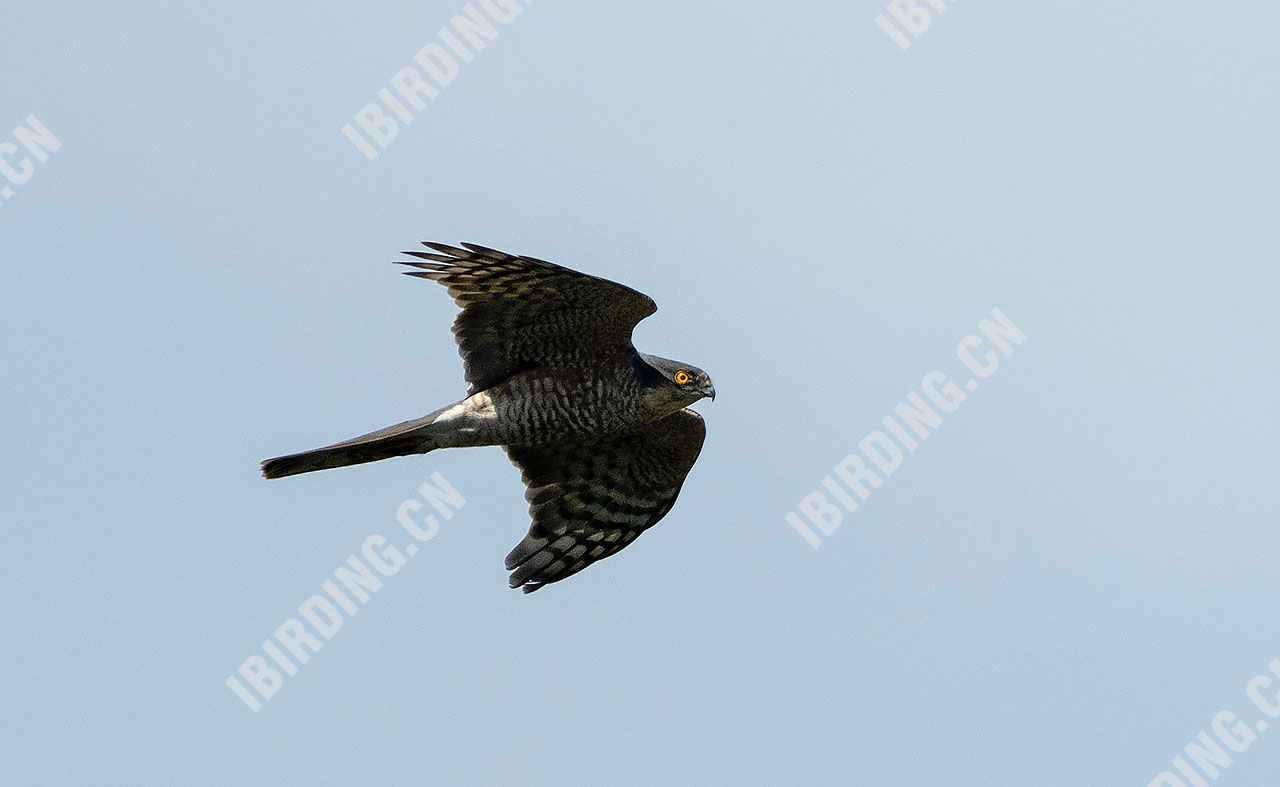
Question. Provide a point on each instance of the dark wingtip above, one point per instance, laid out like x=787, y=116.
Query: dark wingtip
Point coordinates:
x=444, y=248
x=439, y=258
x=526, y=549
x=484, y=251
x=428, y=266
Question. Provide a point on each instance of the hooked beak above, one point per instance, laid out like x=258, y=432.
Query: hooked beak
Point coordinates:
x=709, y=391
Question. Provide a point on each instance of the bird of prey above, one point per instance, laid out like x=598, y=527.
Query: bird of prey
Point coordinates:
x=601, y=433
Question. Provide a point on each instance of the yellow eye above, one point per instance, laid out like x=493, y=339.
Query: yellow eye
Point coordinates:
x=683, y=377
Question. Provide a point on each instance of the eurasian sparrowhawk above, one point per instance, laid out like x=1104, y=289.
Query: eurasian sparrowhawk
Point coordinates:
x=602, y=433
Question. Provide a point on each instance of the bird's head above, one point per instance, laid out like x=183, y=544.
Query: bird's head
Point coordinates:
x=676, y=382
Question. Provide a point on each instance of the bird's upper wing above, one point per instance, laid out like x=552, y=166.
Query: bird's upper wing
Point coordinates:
x=520, y=312
x=590, y=499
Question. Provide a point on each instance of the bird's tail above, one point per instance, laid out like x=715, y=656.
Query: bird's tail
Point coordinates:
x=410, y=437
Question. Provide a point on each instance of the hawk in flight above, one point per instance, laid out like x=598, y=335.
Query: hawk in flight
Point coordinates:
x=602, y=433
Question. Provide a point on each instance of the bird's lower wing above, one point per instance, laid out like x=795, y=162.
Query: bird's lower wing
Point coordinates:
x=590, y=499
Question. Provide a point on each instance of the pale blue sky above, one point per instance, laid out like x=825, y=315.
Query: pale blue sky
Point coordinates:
x=1062, y=586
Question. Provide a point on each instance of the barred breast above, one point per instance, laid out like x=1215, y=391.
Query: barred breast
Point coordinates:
x=542, y=405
